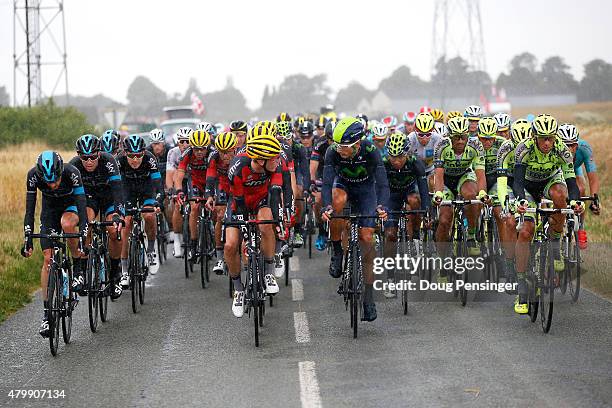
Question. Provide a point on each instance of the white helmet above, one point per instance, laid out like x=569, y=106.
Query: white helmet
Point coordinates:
x=568, y=133
x=503, y=121
x=157, y=136
x=473, y=112
x=441, y=129
x=219, y=127
x=184, y=133
x=207, y=127
x=379, y=130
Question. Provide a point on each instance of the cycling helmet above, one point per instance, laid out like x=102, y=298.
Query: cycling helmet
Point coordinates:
x=425, y=109
x=473, y=112
x=348, y=131
x=487, y=127
x=207, y=127
x=503, y=121
x=157, y=136
x=110, y=141
x=379, y=131
x=452, y=114
x=409, y=117
x=438, y=114
x=363, y=118
x=284, y=130
x=87, y=144
x=298, y=121
x=268, y=125
x=49, y=166
x=283, y=117
x=521, y=130
x=238, y=126
x=458, y=125
x=225, y=141
x=322, y=121
x=134, y=144
x=329, y=129
x=544, y=125
x=184, y=133
x=568, y=133
x=263, y=146
x=396, y=144
x=390, y=121
x=199, y=138
x=424, y=122
x=441, y=129
x=306, y=128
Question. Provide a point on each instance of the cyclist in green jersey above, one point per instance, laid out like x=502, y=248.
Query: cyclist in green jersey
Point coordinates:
x=520, y=130
x=473, y=113
x=543, y=169
x=459, y=169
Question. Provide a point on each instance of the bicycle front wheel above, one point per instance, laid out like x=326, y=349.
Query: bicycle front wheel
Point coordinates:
x=93, y=279
x=54, y=300
x=572, y=268
x=547, y=286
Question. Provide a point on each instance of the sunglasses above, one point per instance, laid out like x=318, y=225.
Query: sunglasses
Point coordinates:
x=459, y=137
x=423, y=135
x=198, y=149
x=88, y=157
x=183, y=141
x=135, y=155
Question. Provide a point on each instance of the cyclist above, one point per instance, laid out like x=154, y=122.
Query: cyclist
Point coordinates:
x=473, y=113
x=378, y=137
x=320, y=128
x=110, y=142
x=354, y=174
x=441, y=129
x=301, y=149
x=503, y=125
x=438, y=115
x=208, y=128
x=141, y=184
x=160, y=150
x=194, y=161
x=408, y=127
x=391, y=122
x=543, y=168
x=63, y=208
x=459, y=169
x=172, y=163
x=452, y=114
x=363, y=118
x=256, y=182
x=316, y=176
x=218, y=187
x=583, y=155
x=520, y=131
x=103, y=190
x=423, y=141
x=240, y=129
x=404, y=172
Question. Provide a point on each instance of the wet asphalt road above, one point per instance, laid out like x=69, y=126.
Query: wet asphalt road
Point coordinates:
x=185, y=348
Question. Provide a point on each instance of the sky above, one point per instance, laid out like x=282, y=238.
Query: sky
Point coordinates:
x=258, y=43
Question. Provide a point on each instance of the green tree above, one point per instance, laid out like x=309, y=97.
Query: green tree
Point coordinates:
x=554, y=77
x=297, y=92
x=596, y=85
x=145, y=98
x=225, y=105
x=402, y=84
x=348, y=98
x=523, y=78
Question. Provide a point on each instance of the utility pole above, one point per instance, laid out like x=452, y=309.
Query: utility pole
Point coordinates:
x=36, y=23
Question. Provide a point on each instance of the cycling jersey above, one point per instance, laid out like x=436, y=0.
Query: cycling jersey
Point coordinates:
x=141, y=184
x=405, y=180
x=103, y=187
x=424, y=153
x=505, y=169
x=162, y=159
x=455, y=165
x=173, y=159
x=584, y=155
x=490, y=159
x=250, y=189
x=533, y=168
x=217, y=183
x=69, y=196
x=364, y=168
x=318, y=155
x=300, y=157
x=196, y=167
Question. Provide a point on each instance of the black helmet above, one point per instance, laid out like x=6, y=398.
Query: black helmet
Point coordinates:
x=364, y=119
x=238, y=126
x=87, y=144
x=306, y=128
x=110, y=141
x=133, y=144
x=329, y=129
x=49, y=166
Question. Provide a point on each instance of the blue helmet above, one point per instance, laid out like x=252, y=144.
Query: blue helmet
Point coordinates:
x=87, y=144
x=348, y=130
x=133, y=144
x=110, y=141
x=49, y=166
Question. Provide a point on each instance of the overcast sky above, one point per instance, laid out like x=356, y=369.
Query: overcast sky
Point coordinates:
x=259, y=42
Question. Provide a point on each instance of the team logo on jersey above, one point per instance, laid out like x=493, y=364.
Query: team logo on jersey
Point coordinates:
x=75, y=179
x=33, y=180
x=110, y=167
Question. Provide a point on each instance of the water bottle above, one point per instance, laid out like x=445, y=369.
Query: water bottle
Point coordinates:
x=65, y=282
x=582, y=238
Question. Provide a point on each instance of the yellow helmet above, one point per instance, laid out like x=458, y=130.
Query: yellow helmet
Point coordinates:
x=322, y=121
x=284, y=130
x=199, y=138
x=225, y=141
x=452, y=114
x=264, y=127
x=459, y=125
x=487, y=127
x=437, y=114
x=544, y=125
x=424, y=122
x=521, y=130
x=263, y=146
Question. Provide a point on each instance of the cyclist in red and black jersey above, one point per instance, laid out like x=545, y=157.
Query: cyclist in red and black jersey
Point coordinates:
x=218, y=187
x=195, y=159
x=255, y=181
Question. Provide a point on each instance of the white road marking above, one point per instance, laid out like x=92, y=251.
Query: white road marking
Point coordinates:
x=300, y=323
x=309, y=386
x=297, y=290
x=294, y=263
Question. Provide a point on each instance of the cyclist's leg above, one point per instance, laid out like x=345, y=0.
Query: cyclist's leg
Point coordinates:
x=414, y=220
x=556, y=190
x=339, y=199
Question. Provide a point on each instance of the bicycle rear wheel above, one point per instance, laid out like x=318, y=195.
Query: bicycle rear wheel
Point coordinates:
x=93, y=280
x=532, y=281
x=133, y=272
x=54, y=299
x=187, y=247
x=104, y=260
x=142, y=274
x=572, y=268
x=203, y=251
x=254, y=294
x=67, y=316
x=356, y=273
